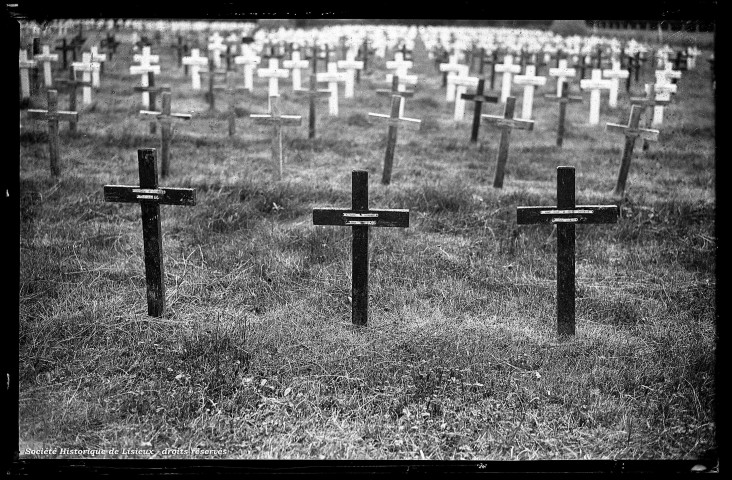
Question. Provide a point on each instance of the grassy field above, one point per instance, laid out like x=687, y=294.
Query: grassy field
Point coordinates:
x=256, y=353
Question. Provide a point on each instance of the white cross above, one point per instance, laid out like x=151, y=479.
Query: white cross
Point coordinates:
x=350, y=65
x=615, y=74
x=595, y=84
x=332, y=76
x=216, y=47
x=46, y=57
x=249, y=60
x=86, y=66
x=99, y=58
x=453, y=67
x=295, y=65
x=462, y=82
x=24, y=64
x=507, y=68
x=530, y=82
x=146, y=58
x=195, y=61
x=143, y=69
x=664, y=75
x=562, y=72
x=663, y=92
x=274, y=73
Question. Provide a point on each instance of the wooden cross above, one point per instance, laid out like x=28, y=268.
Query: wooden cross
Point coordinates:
x=195, y=61
x=231, y=90
x=562, y=72
x=45, y=59
x=452, y=68
x=146, y=70
x=563, y=100
x=507, y=68
x=86, y=66
x=25, y=65
x=249, y=60
x=351, y=66
x=360, y=217
x=462, y=82
x=165, y=118
x=150, y=196
x=595, y=85
x=478, y=97
x=152, y=90
x=397, y=88
x=273, y=73
x=63, y=49
x=565, y=216
x=110, y=44
x=212, y=73
x=99, y=58
x=530, y=82
x=277, y=121
x=53, y=116
x=399, y=66
x=295, y=64
x=652, y=99
x=364, y=52
x=229, y=55
x=506, y=123
x=631, y=132
x=332, y=76
x=180, y=48
x=313, y=94
x=615, y=74
x=391, y=139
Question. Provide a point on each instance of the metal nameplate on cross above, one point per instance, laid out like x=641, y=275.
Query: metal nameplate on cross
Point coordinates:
x=565, y=215
x=360, y=217
x=150, y=196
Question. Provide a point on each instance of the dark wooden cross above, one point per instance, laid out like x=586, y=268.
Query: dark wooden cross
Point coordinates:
x=277, y=121
x=631, y=132
x=598, y=57
x=394, y=90
x=229, y=55
x=150, y=196
x=360, y=217
x=212, y=74
x=231, y=90
x=152, y=92
x=181, y=48
x=71, y=85
x=63, y=49
x=313, y=93
x=649, y=102
x=506, y=123
x=53, y=116
x=478, y=97
x=391, y=139
x=166, y=119
x=110, y=45
x=364, y=53
x=35, y=77
x=563, y=100
x=565, y=216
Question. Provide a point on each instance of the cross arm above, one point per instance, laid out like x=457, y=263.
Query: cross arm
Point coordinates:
x=479, y=98
x=390, y=92
x=518, y=123
x=160, y=195
x=283, y=119
x=395, y=121
x=372, y=217
x=578, y=214
x=141, y=69
x=645, y=133
x=409, y=78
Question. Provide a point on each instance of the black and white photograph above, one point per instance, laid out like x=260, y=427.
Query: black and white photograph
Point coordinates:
x=202, y=276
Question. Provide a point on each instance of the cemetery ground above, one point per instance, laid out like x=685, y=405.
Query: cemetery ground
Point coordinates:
x=256, y=353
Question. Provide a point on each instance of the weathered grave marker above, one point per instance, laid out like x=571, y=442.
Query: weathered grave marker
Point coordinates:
x=663, y=91
x=86, y=67
x=563, y=100
x=396, y=89
x=562, y=72
x=508, y=69
x=165, y=118
x=180, y=48
x=150, y=196
x=212, y=73
x=295, y=65
x=595, y=85
x=277, y=121
x=631, y=132
x=72, y=84
x=195, y=61
x=273, y=73
x=478, y=97
x=99, y=58
x=530, y=82
x=360, y=217
x=110, y=44
x=391, y=139
x=53, y=116
x=63, y=49
x=332, y=77
x=565, y=216
x=452, y=66
x=350, y=65
x=461, y=85
x=249, y=60
x=146, y=70
x=152, y=91
x=230, y=89
x=506, y=123
x=313, y=93
x=45, y=58
x=24, y=64
x=215, y=47
x=615, y=74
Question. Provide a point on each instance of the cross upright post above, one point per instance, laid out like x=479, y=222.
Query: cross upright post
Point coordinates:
x=24, y=64
x=165, y=118
x=631, y=132
x=615, y=74
x=565, y=216
x=152, y=90
x=451, y=68
x=249, y=60
x=562, y=72
x=180, y=48
x=45, y=58
x=530, y=82
x=393, y=120
x=351, y=66
x=396, y=89
x=653, y=100
x=295, y=65
x=109, y=44
x=212, y=73
x=277, y=121
x=65, y=47
x=86, y=66
x=360, y=217
x=313, y=94
x=332, y=77
x=508, y=69
x=231, y=90
x=595, y=85
x=273, y=73
x=145, y=69
x=506, y=123
x=150, y=196
x=478, y=97
x=462, y=82
x=100, y=58
x=71, y=84
x=195, y=61
x=563, y=100
x=53, y=116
